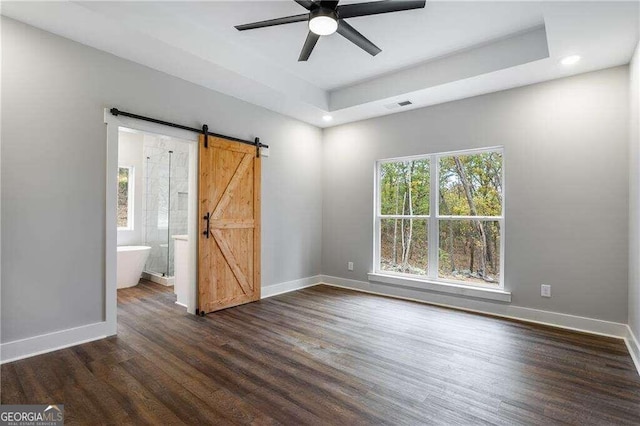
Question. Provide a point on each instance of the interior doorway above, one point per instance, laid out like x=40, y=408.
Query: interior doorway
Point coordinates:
x=223, y=209
x=154, y=210
x=151, y=210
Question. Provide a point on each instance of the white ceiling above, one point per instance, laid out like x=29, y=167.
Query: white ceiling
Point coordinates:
x=406, y=38
x=448, y=50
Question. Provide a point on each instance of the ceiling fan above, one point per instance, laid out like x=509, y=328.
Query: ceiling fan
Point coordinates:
x=326, y=17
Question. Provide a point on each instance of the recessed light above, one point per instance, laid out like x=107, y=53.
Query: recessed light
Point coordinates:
x=570, y=60
x=327, y=117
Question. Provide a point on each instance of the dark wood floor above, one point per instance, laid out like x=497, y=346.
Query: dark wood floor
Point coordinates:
x=329, y=356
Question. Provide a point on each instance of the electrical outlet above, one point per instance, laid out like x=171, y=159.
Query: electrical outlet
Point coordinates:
x=350, y=266
x=545, y=290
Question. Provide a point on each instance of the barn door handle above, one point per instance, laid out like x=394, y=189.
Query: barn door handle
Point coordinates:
x=207, y=230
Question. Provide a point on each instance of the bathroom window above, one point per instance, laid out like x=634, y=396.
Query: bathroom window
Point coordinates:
x=125, y=198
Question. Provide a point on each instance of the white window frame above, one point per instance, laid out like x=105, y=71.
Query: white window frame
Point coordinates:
x=433, y=219
x=130, y=198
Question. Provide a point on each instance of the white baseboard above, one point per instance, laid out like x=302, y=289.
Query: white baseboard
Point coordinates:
x=285, y=287
x=634, y=347
x=24, y=348
x=32, y=346
x=555, y=319
x=158, y=279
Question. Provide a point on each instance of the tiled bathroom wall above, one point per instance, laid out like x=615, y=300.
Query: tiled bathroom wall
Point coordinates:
x=165, y=200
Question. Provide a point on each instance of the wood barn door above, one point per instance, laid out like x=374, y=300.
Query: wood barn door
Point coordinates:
x=229, y=213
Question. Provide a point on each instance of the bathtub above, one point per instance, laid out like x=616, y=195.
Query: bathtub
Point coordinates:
x=131, y=260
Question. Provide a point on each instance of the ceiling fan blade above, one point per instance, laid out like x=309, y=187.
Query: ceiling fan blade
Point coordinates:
x=351, y=34
x=309, y=44
x=272, y=22
x=307, y=4
x=376, y=7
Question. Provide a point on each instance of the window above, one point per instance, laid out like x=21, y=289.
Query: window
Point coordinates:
x=440, y=217
x=125, y=198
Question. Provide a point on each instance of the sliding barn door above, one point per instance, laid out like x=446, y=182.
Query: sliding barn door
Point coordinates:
x=229, y=213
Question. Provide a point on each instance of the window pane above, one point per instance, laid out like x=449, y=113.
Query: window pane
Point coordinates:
x=471, y=185
x=470, y=251
x=123, y=197
x=404, y=188
x=403, y=246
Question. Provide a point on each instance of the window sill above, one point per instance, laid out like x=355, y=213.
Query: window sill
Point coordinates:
x=457, y=289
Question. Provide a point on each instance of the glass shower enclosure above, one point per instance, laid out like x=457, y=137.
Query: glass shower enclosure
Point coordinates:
x=166, y=183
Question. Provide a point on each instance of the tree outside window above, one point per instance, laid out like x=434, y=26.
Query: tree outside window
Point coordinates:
x=449, y=228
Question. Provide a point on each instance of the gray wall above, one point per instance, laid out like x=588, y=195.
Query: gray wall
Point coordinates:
x=634, y=195
x=565, y=144
x=53, y=174
x=566, y=173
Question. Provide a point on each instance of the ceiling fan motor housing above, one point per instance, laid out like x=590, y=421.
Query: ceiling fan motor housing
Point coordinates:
x=323, y=11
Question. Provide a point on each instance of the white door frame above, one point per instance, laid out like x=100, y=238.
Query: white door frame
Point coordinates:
x=111, y=236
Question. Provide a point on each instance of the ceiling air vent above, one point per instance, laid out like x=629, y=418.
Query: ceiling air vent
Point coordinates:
x=398, y=104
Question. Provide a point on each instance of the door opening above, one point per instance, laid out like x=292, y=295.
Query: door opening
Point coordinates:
x=234, y=276
x=154, y=208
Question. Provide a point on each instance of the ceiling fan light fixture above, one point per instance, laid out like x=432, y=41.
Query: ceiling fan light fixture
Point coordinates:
x=323, y=21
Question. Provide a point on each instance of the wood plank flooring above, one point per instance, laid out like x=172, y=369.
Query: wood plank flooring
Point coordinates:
x=327, y=356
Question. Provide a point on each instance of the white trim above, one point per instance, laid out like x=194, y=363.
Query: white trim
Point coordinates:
x=442, y=287
x=32, y=346
x=433, y=230
x=468, y=151
x=377, y=222
x=193, y=225
x=554, y=319
x=286, y=287
x=479, y=218
x=406, y=216
x=158, y=279
x=111, y=226
x=634, y=347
